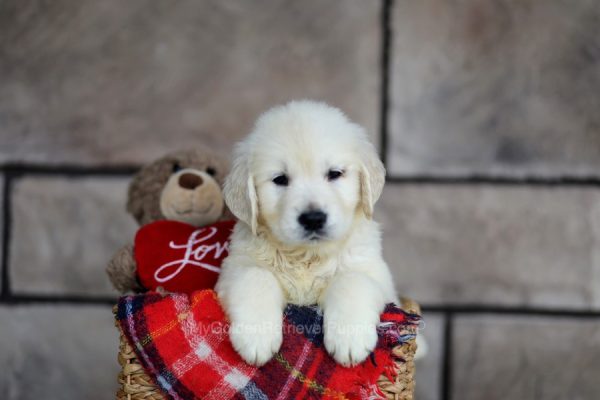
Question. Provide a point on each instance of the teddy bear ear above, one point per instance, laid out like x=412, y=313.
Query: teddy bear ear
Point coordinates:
x=239, y=190
x=140, y=194
x=146, y=186
x=135, y=199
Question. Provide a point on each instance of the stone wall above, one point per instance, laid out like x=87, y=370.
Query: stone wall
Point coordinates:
x=487, y=114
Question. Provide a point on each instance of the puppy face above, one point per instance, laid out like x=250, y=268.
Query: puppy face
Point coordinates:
x=308, y=193
x=305, y=172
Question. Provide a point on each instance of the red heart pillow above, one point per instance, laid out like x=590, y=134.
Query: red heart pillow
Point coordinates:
x=179, y=257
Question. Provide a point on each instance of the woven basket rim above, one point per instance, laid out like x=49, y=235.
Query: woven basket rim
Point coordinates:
x=136, y=384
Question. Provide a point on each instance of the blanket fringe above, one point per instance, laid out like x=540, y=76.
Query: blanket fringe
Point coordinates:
x=397, y=328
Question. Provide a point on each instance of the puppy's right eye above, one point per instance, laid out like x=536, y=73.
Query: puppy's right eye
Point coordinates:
x=176, y=167
x=281, y=180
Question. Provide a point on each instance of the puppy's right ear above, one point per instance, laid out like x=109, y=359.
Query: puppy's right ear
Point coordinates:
x=372, y=178
x=239, y=190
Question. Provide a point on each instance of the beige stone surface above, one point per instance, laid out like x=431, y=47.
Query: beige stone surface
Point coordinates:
x=1, y=217
x=428, y=369
x=486, y=245
x=113, y=82
x=65, y=352
x=524, y=357
x=64, y=232
x=492, y=87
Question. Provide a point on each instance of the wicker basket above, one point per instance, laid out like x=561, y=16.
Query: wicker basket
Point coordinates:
x=135, y=384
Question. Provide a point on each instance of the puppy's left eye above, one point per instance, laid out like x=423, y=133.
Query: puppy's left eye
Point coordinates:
x=334, y=174
x=211, y=171
x=281, y=180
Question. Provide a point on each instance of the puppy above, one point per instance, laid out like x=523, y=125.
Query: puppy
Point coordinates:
x=303, y=185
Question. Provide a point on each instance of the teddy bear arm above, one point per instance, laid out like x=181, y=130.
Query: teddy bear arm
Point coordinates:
x=121, y=270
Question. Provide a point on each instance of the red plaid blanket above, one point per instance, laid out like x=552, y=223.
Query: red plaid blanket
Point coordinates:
x=183, y=344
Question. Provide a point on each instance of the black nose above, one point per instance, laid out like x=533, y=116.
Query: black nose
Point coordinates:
x=190, y=181
x=312, y=220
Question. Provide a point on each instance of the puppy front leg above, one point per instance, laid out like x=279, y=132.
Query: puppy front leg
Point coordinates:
x=254, y=302
x=351, y=305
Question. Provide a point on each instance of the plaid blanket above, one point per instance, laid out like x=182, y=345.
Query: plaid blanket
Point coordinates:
x=183, y=344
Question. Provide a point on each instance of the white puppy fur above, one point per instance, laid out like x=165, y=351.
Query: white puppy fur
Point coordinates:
x=305, y=157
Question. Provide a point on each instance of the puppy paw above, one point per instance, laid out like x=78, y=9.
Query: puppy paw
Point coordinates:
x=256, y=342
x=350, y=340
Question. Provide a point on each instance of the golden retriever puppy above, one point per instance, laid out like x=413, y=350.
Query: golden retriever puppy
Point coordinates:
x=303, y=185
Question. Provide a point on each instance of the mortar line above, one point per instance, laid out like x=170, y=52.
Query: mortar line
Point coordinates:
x=6, y=231
x=512, y=310
x=446, y=374
x=68, y=170
x=57, y=299
x=18, y=170
x=386, y=41
x=529, y=180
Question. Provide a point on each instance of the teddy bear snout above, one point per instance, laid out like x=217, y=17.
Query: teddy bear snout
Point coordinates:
x=190, y=181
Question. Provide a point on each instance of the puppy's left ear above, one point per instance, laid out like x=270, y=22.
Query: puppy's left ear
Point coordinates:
x=372, y=178
x=239, y=191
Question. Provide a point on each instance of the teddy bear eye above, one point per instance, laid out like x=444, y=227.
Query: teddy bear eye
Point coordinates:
x=281, y=180
x=211, y=171
x=177, y=167
x=334, y=174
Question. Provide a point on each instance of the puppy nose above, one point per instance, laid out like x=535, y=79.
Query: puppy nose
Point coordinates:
x=312, y=220
x=190, y=181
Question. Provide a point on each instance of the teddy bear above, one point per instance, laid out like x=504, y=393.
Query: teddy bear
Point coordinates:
x=184, y=225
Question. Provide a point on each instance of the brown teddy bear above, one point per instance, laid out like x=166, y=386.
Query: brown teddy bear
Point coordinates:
x=170, y=199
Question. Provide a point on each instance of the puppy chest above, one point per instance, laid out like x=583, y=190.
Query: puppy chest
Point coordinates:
x=303, y=286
